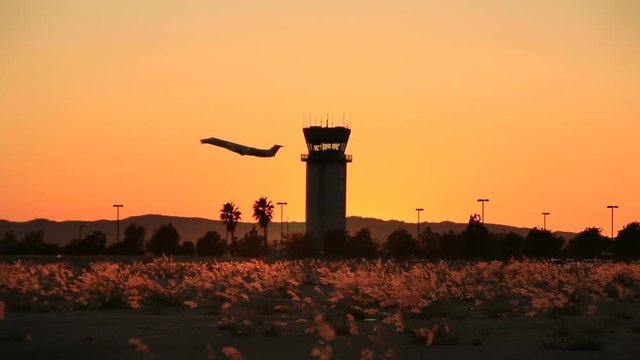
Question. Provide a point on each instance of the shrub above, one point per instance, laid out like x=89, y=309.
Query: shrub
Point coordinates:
x=211, y=244
x=133, y=243
x=587, y=244
x=165, y=241
x=401, y=244
x=334, y=243
x=361, y=245
x=187, y=249
x=252, y=244
x=627, y=244
x=92, y=244
x=541, y=243
x=299, y=245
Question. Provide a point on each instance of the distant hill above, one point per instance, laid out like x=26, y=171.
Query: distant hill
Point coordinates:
x=190, y=229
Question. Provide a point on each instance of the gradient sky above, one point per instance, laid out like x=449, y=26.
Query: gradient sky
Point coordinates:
x=532, y=104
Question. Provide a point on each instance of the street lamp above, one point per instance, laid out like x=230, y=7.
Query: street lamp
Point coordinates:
x=418, y=210
x=118, y=206
x=483, y=201
x=612, y=207
x=282, y=204
x=544, y=217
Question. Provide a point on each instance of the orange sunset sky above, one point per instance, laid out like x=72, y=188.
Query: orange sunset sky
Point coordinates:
x=532, y=104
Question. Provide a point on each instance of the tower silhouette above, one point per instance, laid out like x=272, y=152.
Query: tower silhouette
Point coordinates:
x=326, y=180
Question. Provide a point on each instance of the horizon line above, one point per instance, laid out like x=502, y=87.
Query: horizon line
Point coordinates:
x=278, y=222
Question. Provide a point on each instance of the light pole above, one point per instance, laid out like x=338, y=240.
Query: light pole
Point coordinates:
x=612, y=207
x=418, y=210
x=483, y=201
x=118, y=206
x=544, y=220
x=282, y=204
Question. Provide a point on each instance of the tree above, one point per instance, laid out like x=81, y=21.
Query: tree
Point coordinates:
x=95, y=242
x=476, y=240
x=511, y=245
x=187, y=249
x=334, y=243
x=134, y=239
x=299, y=245
x=430, y=243
x=627, y=244
x=252, y=244
x=401, y=244
x=33, y=239
x=164, y=241
x=541, y=243
x=92, y=244
x=8, y=243
x=133, y=242
x=451, y=245
x=230, y=215
x=10, y=237
x=361, y=245
x=33, y=242
x=210, y=244
x=587, y=244
x=263, y=213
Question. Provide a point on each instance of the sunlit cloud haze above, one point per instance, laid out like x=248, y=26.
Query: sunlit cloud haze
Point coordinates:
x=532, y=104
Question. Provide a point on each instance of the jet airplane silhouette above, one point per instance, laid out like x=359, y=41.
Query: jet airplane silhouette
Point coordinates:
x=242, y=149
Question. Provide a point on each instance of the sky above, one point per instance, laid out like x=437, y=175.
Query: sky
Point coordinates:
x=534, y=105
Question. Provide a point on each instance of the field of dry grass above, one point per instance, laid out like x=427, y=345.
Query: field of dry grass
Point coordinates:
x=170, y=308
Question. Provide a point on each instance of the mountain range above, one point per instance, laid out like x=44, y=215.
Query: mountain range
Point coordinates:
x=191, y=229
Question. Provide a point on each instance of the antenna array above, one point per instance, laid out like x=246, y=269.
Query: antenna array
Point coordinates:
x=309, y=120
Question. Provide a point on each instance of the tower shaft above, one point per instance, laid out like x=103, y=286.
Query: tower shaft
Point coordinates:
x=326, y=194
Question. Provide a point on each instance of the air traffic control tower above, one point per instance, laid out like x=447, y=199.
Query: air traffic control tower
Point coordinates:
x=326, y=180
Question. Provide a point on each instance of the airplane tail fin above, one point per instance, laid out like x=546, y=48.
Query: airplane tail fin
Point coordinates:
x=275, y=148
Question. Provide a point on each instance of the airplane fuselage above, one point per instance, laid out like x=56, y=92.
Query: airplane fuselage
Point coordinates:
x=242, y=149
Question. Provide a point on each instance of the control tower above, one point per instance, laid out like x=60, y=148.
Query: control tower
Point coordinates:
x=326, y=180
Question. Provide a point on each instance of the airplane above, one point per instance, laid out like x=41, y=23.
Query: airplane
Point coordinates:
x=241, y=149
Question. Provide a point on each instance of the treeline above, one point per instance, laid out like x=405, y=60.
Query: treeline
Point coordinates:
x=33, y=243
x=164, y=241
x=474, y=243
x=477, y=243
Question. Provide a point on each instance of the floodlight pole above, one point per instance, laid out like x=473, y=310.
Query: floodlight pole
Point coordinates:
x=118, y=206
x=612, y=207
x=483, y=201
x=418, y=210
x=282, y=204
x=544, y=217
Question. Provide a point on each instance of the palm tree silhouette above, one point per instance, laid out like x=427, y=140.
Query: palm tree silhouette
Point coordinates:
x=263, y=212
x=230, y=215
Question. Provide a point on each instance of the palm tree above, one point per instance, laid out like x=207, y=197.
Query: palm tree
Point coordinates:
x=230, y=215
x=263, y=212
